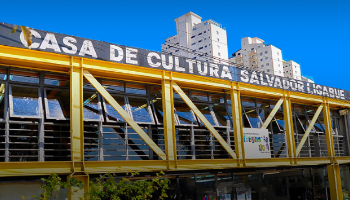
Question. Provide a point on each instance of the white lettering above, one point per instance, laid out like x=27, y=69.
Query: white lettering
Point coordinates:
x=300, y=86
x=87, y=49
x=270, y=81
x=213, y=70
x=112, y=51
x=319, y=89
x=285, y=84
x=262, y=79
x=190, y=65
x=331, y=92
x=50, y=38
x=226, y=73
x=244, y=76
x=342, y=94
x=205, y=68
x=278, y=83
x=66, y=41
x=130, y=54
x=149, y=59
x=34, y=45
x=325, y=91
x=171, y=63
x=293, y=85
x=254, y=78
x=177, y=65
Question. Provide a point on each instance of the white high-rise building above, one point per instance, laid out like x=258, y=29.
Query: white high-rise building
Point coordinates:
x=256, y=55
x=292, y=70
x=206, y=41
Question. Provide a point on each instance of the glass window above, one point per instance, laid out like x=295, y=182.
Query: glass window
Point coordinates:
x=140, y=109
x=57, y=104
x=3, y=73
x=25, y=102
x=57, y=80
x=113, y=86
x=111, y=113
x=24, y=76
x=2, y=100
x=199, y=96
x=206, y=111
x=221, y=115
x=92, y=109
x=184, y=113
x=135, y=88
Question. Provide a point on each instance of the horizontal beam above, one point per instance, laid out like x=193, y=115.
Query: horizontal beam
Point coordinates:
x=38, y=60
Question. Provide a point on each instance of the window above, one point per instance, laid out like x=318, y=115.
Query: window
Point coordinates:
x=278, y=59
x=199, y=33
x=205, y=23
x=261, y=53
x=218, y=40
x=267, y=64
x=217, y=32
x=194, y=57
x=25, y=102
x=194, y=50
x=56, y=104
x=266, y=58
x=262, y=65
x=279, y=65
x=268, y=70
x=218, y=46
x=140, y=109
x=205, y=46
x=200, y=48
x=265, y=52
x=278, y=53
x=279, y=71
x=204, y=31
x=200, y=41
x=258, y=46
x=252, y=49
x=219, y=54
x=193, y=36
x=194, y=28
x=193, y=43
x=176, y=50
x=261, y=59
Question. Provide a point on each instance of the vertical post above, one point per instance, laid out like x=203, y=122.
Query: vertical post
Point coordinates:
x=76, y=113
x=288, y=123
x=334, y=180
x=77, y=129
x=237, y=123
x=169, y=120
x=328, y=129
x=41, y=120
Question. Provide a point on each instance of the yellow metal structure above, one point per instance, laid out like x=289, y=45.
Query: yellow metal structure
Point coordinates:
x=272, y=114
x=308, y=130
x=204, y=120
x=90, y=68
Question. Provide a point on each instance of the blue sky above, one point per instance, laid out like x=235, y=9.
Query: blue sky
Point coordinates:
x=315, y=34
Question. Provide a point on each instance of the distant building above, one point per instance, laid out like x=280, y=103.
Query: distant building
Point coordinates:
x=303, y=78
x=256, y=55
x=205, y=41
x=292, y=70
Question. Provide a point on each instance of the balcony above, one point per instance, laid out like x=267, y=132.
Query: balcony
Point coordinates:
x=252, y=52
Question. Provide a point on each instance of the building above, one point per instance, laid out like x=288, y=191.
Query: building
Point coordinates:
x=256, y=55
x=204, y=41
x=292, y=70
x=309, y=80
x=69, y=107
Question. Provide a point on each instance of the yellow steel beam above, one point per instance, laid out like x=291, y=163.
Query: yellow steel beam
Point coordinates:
x=168, y=119
x=237, y=122
x=75, y=192
x=272, y=114
x=39, y=60
x=76, y=113
x=204, y=120
x=308, y=130
x=288, y=123
x=334, y=181
x=328, y=130
x=124, y=114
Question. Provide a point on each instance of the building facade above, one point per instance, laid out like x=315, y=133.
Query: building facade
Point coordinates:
x=292, y=70
x=81, y=117
x=256, y=55
x=204, y=41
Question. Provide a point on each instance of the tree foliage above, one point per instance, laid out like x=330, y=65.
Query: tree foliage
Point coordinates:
x=106, y=187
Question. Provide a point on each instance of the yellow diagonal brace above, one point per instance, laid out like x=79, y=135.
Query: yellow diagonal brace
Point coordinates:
x=272, y=114
x=204, y=120
x=124, y=114
x=307, y=132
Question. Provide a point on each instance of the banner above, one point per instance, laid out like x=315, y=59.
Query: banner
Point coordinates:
x=81, y=47
x=256, y=143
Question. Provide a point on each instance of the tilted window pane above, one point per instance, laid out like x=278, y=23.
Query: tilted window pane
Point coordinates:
x=139, y=109
x=205, y=110
x=57, y=80
x=253, y=117
x=91, y=105
x=221, y=115
x=24, y=76
x=25, y=101
x=158, y=106
x=217, y=98
x=58, y=104
x=135, y=88
x=199, y=96
x=112, y=114
x=2, y=100
x=113, y=86
x=263, y=103
x=184, y=113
